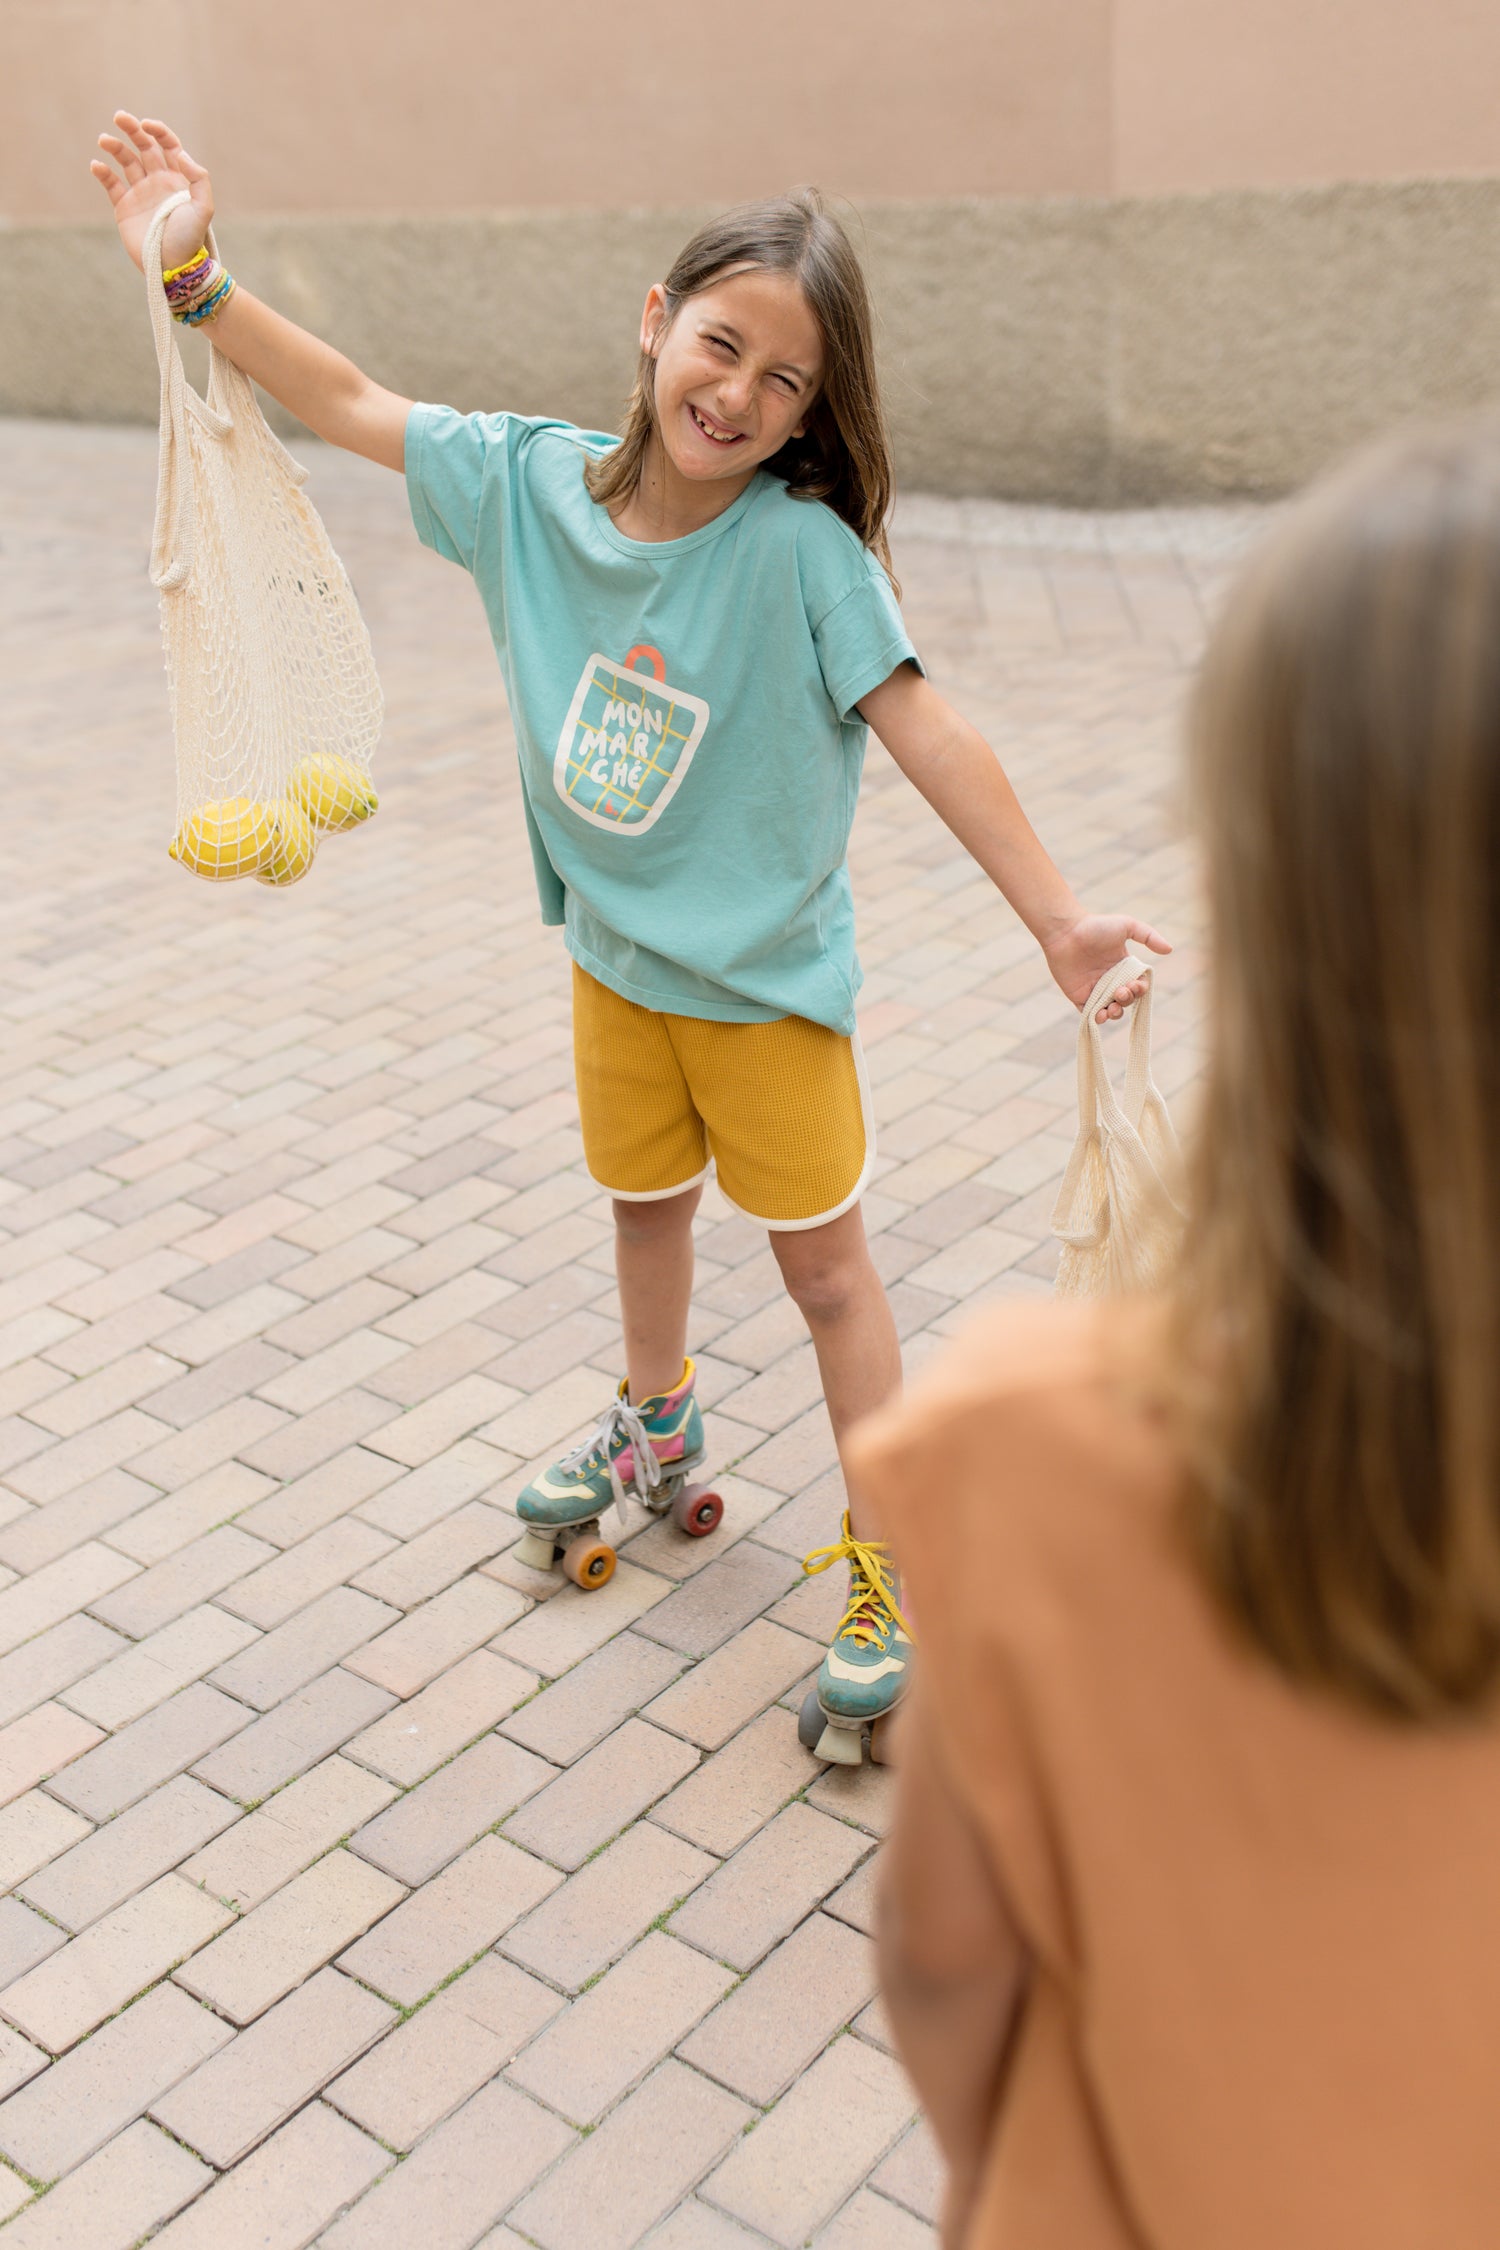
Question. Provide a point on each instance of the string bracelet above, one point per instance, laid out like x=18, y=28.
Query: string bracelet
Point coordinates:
x=185, y=284
x=199, y=290
x=198, y=258
x=210, y=307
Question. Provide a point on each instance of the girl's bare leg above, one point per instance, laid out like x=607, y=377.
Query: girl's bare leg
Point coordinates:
x=831, y=1276
x=654, y=1265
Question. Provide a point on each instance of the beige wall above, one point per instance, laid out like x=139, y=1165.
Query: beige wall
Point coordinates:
x=370, y=106
x=1262, y=93
x=455, y=105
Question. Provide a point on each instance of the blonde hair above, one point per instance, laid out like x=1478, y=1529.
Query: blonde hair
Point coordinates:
x=843, y=456
x=1339, y=1303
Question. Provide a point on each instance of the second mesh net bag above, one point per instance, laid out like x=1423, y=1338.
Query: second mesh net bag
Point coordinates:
x=276, y=705
x=1119, y=1211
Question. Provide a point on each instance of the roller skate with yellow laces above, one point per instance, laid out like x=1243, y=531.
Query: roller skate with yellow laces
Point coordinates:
x=648, y=1451
x=864, y=1673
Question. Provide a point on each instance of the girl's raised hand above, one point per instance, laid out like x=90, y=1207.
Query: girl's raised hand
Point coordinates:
x=1082, y=953
x=153, y=164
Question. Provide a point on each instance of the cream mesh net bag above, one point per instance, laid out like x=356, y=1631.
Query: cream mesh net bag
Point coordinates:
x=1119, y=1211
x=276, y=705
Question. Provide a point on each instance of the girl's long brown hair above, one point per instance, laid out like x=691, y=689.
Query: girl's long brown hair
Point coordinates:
x=843, y=457
x=1339, y=1304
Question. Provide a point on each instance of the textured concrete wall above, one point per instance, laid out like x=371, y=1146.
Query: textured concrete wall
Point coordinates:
x=1083, y=349
x=1256, y=337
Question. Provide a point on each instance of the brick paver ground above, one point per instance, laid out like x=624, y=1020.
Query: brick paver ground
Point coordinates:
x=363, y=1887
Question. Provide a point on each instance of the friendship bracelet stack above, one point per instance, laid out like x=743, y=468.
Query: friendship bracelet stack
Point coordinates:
x=199, y=290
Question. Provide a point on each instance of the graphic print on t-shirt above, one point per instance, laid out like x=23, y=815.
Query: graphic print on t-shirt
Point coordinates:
x=627, y=741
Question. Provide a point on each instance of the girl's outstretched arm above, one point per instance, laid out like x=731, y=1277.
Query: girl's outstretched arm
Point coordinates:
x=958, y=773
x=323, y=389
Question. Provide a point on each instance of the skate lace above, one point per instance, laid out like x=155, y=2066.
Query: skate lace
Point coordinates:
x=872, y=1604
x=619, y=1419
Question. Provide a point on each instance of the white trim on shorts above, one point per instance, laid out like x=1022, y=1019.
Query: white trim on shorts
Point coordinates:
x=654, y=1195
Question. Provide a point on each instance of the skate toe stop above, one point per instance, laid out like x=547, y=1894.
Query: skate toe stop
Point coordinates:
x=840, y=1746
x=534, y=1550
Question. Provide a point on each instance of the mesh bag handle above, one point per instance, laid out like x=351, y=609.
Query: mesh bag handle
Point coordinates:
x=172, y=531
x=1129, y=1124
x=1097, y=1103
x=231, y=397
x=275, y=701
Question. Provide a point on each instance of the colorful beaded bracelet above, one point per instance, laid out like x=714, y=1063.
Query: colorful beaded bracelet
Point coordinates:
x=209, y=307
x=198, y=258
x=199, y=290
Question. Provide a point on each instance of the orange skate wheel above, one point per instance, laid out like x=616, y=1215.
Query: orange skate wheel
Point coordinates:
x=590, y=1563
x=697, y=1511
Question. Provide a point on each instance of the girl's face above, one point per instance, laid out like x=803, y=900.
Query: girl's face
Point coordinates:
x=737, y=372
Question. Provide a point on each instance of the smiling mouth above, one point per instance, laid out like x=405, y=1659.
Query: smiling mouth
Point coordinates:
x=715, y=437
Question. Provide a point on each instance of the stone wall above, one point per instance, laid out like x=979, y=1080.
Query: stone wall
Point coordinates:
x=1087, y=349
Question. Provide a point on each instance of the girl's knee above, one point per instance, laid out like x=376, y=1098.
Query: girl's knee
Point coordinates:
x=825, y=1286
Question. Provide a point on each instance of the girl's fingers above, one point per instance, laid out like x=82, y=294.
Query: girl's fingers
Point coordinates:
x=165, y=139
x=125, y=156
x=176, y=155
x=1122, y=998
x=148, y=155
x=1143, y=934
x=109, y=179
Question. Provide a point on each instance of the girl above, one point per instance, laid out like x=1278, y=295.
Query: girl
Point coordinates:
x=696, y=623
x=1189, y=1932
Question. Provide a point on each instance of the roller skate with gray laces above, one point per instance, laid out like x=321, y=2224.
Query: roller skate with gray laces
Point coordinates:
x=647, y=1452
x=865, y=1672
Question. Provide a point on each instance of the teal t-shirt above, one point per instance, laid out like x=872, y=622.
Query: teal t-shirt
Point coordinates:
x=684, y=712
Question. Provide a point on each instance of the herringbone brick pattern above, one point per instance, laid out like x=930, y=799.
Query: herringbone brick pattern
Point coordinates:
x=363, y=1887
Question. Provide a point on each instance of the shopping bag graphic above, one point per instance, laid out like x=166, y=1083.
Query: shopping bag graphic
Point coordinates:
x=627, y=741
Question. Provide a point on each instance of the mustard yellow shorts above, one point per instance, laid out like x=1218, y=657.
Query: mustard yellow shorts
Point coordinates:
x=781, y=1111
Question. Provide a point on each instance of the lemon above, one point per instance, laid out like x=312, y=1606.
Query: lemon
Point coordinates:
x=225, y=840
x=332, y=792
x=294, y=845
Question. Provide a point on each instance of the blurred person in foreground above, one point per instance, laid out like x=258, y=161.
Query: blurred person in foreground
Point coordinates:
x=1190, y=1927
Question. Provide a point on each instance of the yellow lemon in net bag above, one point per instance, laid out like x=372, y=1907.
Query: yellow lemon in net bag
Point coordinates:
x=294, y=846
x=332, y=792
x=225, y=840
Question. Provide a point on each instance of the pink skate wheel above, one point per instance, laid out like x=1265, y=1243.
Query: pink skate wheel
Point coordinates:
x=697, y=1511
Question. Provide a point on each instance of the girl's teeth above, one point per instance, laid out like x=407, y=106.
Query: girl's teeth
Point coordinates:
x=728, y=438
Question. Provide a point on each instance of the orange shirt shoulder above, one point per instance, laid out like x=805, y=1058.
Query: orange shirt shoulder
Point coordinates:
x=1266, y=2001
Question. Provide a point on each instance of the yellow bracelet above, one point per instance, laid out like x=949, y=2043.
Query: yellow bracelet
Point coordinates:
x=196, y=260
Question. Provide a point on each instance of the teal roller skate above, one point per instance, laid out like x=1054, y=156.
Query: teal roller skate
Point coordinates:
x=864, y=1673
x=647, y=1450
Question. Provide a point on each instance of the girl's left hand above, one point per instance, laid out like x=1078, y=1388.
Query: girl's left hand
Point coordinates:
x=152, y=165
x=1086, y=949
